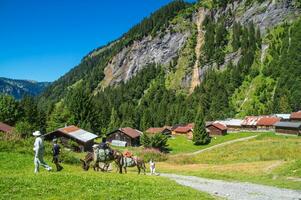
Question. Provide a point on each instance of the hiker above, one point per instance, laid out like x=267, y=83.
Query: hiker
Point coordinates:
x=39, y=153
x=152, y=167
x=103, y=145
x=56, y=149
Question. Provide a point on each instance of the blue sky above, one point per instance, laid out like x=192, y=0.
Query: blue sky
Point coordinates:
x=43, y=39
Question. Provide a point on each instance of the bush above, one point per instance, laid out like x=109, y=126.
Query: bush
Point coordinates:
x=24, y=129
x=157, y=141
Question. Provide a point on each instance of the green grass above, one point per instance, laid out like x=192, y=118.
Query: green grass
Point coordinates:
x=180, y=144
x=268, y=159
x=17, y=181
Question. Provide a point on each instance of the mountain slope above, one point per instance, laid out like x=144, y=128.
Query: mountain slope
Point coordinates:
x=224, y=58
x=21, y=88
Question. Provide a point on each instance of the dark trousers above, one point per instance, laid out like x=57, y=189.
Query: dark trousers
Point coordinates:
x=56, y=161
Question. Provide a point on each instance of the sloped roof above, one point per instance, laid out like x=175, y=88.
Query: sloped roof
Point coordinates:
x=5, y=128
x=288, y=124
x=251, y=120
x=267, y=121
x=218, y=125
x=78, y=133
x=296, y=115
x=283, y=116
x=231, y=122
x=133, y=133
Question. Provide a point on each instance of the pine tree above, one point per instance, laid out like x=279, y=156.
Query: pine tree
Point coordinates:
x=200, y=136
x=114, y=121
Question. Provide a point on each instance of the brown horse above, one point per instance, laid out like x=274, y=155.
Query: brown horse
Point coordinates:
x=92, y=157
x=132, y=162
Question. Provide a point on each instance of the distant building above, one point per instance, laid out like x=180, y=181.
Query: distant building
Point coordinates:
x=283, y=117
x=129, y=135
x=186, y=129
x=5, y=128
x=216, y=128
x=231, y=124
x=295, y=116
x=267, y=122
x=293, y=128
x=166, y=130
x=84, y=139
x=250, y=123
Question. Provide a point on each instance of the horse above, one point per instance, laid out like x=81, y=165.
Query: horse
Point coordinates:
x=132, y=162
x=93, y=157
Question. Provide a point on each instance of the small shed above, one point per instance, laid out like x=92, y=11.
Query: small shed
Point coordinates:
x=84, y=139
x=5, y=128
x=267, y=122
x=293, y=128
x=129, y=135
x=295, y=116
x=217, y=129
x=183, y=130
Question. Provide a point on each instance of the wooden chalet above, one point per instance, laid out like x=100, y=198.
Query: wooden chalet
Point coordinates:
x=293, y=128
x=267, y=122
x=216, y=129
x=233, y=125
x=129, y=135
x=186, y=129
x=250, y=123
x=295, y=116
x=5, y=128
x=84, y=139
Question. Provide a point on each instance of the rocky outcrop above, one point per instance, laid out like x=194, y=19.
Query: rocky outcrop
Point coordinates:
x=161, y=50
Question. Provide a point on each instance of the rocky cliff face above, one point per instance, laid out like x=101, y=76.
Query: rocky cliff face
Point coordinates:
x=161, y=49
x=168, y=45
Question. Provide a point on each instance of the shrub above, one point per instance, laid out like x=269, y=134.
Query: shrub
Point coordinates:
x=157, y=141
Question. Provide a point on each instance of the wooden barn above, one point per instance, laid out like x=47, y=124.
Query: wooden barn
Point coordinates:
x=295, y=116
x=129, y=135
x=84, y=139
x=267, y=123
x=233, y=125
x=293, y=128
x=216, y=129
x=5, y=128
x=186, y=129
x=166, y=130
x=250, y=123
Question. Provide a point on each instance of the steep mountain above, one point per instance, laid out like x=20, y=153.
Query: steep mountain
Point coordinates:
x=224, y=58
x=21, y=88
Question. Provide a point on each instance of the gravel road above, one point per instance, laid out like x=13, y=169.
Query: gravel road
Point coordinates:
x=235, y=190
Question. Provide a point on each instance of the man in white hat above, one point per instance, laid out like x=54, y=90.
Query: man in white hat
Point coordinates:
x=39, y=153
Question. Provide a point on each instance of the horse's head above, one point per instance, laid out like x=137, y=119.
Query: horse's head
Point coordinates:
x=86, y=162
x=85, y=165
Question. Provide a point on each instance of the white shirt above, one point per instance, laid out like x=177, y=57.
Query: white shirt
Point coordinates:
x=38, y=144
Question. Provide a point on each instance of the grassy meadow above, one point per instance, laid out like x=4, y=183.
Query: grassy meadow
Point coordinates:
x=17, y=181
x=268, y=159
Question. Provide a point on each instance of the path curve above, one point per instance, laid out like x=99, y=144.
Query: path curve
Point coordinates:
x=222, y=144
x=235, y=190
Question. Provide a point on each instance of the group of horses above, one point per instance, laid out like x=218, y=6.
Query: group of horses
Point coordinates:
x=121, y=161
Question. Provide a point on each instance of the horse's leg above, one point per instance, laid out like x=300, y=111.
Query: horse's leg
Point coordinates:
x=125, y=171
x=138, y=167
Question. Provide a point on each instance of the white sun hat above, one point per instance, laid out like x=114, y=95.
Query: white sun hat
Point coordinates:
x=37, y=133
x=95, y=146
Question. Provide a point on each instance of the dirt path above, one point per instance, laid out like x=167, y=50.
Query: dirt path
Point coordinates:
x=235, y=190
x=222, y=144
x=200, y=41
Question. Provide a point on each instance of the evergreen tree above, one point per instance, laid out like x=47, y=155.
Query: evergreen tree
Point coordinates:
x=200, y=135
x=114, y=121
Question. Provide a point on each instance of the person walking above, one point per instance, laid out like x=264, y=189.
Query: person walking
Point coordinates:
x=152, y=166
x=56, y=149
x=39, y=153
